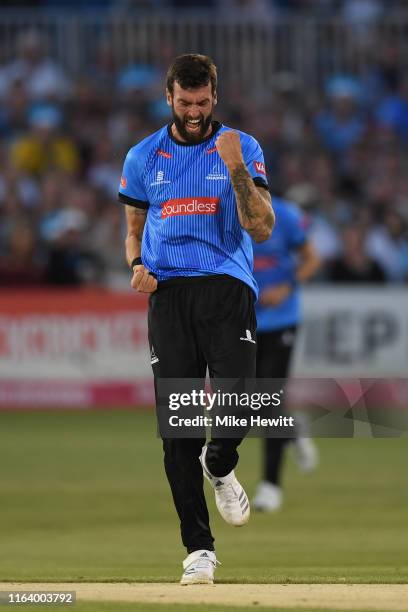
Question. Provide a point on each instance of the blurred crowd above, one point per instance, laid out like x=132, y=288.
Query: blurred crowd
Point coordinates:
x=350, y=10
x=340, y=153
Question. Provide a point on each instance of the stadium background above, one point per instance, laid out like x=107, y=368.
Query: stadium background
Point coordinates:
x=323, y=86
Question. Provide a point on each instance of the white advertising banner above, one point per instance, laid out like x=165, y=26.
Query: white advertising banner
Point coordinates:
x=353, y=332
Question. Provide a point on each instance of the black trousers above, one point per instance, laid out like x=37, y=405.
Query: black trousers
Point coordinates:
x=195, y=323
x=273, y=361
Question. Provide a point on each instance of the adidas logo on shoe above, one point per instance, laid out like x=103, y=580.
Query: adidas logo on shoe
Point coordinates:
x=230, y=498
x=199, y=568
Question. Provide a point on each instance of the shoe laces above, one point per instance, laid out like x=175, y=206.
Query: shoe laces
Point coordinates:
x=202, y=562
x=205, y=562
x=229, y=494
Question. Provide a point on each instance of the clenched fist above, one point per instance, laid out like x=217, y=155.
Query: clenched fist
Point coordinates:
x=143, y=281
x=229, y=148
x=273, y=296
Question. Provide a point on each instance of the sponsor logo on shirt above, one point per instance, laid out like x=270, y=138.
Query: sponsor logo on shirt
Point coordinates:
x=212, y=150
x=123, y=182
x=216, y=174
x=264, y=262
x=159, y=179
x=259, y=167
x=189, y=206
x=164, y=154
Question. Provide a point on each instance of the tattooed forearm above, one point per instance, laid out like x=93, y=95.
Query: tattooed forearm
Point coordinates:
x=243, y=187
x=136, y=219
x=254, y=206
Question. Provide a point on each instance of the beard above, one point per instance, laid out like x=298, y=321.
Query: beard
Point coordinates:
x=181, y=126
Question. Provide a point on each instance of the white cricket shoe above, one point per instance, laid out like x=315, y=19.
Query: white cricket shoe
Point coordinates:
x=199, y=568
x=268, y=497
x=305, y=454
x=231, y=499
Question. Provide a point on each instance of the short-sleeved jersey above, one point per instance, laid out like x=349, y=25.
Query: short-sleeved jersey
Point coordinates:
x=192, y=226
x=275, y=263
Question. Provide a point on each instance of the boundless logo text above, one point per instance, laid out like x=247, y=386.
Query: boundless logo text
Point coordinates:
x=190, y=206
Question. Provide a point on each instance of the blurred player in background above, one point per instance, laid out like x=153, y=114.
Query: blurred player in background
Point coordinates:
x=281, y=265
x=195, y=194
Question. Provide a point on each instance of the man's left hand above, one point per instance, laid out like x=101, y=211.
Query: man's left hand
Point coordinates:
x=229, y=148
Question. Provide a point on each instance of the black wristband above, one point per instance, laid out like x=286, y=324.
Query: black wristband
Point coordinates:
x=137, y=261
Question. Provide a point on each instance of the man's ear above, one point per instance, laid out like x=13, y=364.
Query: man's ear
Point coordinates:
x=169, y=98
x=215, y=99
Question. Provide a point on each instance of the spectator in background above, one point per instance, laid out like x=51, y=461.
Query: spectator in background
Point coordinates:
x=136, y=86
x=392, y=112
x=106, y=239
x=53, y=187
x=14, y=111
x=41, y=76
x=44, y=147
x=104, y=171
x=354, y=265
x=22, y=265
x=401, y=194
x=322, y=232
x=70, y=263
x=360, y=14
x=381, y=75
x=103, y=71
x=342, y=125
x=17, y=184
x=66, y=234
x=387, y=244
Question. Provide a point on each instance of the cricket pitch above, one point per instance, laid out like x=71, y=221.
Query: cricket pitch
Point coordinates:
x=388, y=597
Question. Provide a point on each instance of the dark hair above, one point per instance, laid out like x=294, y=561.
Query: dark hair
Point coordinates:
x=191, y=71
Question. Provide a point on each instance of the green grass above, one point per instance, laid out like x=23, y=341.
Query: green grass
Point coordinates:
x=83, y=497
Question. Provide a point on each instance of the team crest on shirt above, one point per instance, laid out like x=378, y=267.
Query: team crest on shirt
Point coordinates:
x=216, y=174
x=160, y=180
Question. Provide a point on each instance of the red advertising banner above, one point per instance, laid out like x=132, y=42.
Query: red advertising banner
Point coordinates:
x=74, y=348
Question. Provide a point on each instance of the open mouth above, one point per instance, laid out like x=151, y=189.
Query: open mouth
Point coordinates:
x=193, y=125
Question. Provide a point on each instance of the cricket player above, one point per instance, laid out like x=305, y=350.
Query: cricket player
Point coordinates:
x=195, y=194
x=282, y=264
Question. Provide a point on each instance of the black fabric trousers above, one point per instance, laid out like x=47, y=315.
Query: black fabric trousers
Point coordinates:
x=195, y=323
x=273, y=361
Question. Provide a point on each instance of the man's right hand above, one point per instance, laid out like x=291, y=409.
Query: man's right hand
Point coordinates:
x=275, y=295
x=142, y=280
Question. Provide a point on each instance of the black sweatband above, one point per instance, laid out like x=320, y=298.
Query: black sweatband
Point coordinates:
x=137, y=261
x=260, y=182
x=132, y=201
